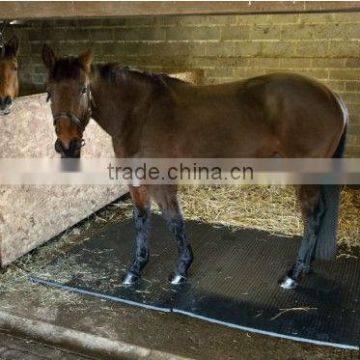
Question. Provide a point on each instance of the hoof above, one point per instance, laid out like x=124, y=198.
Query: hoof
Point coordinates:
x=288, y=283
x=130, y=279
x=177, y=279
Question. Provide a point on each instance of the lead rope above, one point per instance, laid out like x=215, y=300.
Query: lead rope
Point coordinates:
x=2, y=39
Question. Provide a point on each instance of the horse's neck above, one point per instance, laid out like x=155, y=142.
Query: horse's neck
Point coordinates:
x=98, y=114
x=116, y=106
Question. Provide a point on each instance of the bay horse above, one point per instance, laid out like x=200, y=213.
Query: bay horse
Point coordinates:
x=155, y=116
x=9, y=83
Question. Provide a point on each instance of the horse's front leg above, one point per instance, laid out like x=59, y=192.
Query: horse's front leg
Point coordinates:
x=141, y=215
x=166, y=198
x=313, y=211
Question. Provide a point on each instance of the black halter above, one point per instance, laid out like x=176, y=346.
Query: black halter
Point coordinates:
x=81, y=124
x=73, y=118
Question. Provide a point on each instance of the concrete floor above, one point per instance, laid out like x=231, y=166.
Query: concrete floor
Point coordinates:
x=109, y=330
x=104, y=329
x=15, y=347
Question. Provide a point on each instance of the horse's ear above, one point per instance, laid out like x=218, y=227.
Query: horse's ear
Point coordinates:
x=86, y=59
x=12, y=46
x=48, y=56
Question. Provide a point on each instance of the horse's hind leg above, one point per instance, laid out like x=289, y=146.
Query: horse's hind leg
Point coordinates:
x=141, y=214
x=312, y=210
x=166, y=198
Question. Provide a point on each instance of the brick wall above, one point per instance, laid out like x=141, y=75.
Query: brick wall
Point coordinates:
x=227, y=47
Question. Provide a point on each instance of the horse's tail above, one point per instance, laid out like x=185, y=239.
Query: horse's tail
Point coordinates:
x=329, y=200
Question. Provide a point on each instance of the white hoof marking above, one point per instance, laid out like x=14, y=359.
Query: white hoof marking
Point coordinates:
x=288, y=283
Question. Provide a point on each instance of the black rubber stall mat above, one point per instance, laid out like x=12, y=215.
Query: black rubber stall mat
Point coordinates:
x=233, y=281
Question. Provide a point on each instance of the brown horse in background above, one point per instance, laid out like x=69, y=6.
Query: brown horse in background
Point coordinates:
x=9, y=83
x=149, y=116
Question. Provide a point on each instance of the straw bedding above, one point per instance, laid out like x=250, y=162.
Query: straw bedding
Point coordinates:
x=270, y=208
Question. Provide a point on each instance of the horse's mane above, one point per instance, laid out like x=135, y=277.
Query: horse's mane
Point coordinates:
x=115, y=73
x=66, y=68
x=70, y=67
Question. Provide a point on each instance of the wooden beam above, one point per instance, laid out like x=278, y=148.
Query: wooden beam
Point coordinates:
x=20, y=10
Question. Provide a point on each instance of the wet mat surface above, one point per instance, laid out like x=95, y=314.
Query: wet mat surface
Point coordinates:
x=233, y=281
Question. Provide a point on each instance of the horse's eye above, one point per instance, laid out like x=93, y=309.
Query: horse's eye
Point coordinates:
x=48, y=97
x=83, y=90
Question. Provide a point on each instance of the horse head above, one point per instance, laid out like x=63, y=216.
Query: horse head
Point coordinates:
x=9, y=83
x=68, y=89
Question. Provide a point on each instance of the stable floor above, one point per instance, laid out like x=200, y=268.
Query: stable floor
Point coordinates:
x=105, y=329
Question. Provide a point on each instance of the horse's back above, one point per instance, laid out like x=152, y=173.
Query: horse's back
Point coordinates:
x=277, y=114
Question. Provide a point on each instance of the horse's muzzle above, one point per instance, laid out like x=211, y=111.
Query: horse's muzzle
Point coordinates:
x=5, y=105
x=73, y=151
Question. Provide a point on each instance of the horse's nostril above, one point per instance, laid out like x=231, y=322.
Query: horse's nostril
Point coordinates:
x=58, y=147
x=76, y=144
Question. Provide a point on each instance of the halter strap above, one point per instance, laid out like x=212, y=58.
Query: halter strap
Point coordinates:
x=73, y=118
